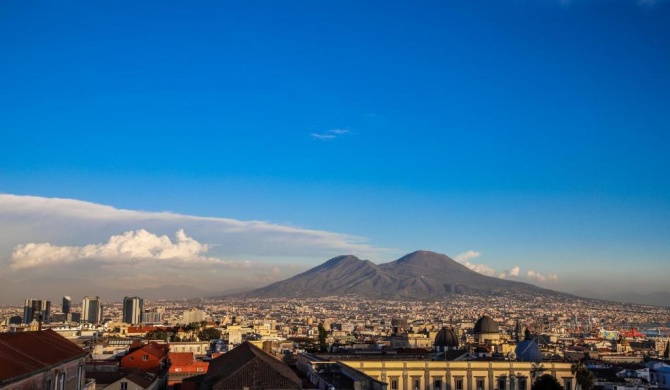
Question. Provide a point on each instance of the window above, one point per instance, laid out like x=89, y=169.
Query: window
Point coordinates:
x=480, y=383
x=416, y=383
x=124, y=385
x=199, y=369
x=502, y=383
x=60, y=384
x=568, y=384
x=145, y=357
x=437, y=384
x=394, y=384
x=79, y=377
x=522, y=383
x=47, y=384
x=459, y=383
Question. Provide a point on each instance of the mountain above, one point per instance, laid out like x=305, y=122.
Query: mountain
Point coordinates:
x=418, y=275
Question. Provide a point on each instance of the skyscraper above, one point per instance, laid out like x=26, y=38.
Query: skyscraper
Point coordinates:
x=91, y=310
x=132, y=310
x=67, y=304
x=36, y=309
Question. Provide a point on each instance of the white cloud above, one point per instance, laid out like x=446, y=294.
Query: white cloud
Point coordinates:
x=536, y=276
x=330, y=134
x=514, y=272
x=323, y=137
x=531, y=276
x=465, y=257
x=132, y=246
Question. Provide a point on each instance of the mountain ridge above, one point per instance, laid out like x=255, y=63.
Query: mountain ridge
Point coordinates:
x=421, y=274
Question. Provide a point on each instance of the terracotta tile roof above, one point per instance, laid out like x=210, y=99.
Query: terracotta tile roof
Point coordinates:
x=181, y=358
x=185, y=363
x=246, y=354
x=26, y=352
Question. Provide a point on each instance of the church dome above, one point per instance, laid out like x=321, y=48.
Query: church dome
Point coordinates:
x=486, y=324
x=528, y=351
x=446, y=338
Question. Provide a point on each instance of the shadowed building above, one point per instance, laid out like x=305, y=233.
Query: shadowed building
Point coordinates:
x=40, y=360
x=246, y=366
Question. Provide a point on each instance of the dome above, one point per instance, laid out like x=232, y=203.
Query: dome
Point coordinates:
x=528, y=351
x=446, y=338
x=486, y=324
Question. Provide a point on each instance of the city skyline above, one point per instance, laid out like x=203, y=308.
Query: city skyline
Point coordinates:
x=234, y=145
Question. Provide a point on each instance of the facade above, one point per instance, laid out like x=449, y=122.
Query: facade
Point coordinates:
x=132, y=310
x=152, y=316
x=41, y=360
x=193, y=315
x=36, y=309
x=91, y=310
x=451, y=375
x=196, y=347
x=152, y=357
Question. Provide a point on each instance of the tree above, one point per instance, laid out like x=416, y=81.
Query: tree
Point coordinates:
x=547, y=382
x=209, y=334
x=157, y=335
x=584, y=377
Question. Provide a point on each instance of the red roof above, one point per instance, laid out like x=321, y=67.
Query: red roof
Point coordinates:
x=184, y=362
x=181, y=358
x=26, y=352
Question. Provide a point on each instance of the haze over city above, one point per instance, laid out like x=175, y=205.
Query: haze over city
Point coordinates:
x=225, y=146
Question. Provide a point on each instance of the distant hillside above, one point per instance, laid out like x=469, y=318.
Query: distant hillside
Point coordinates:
x=418, y=275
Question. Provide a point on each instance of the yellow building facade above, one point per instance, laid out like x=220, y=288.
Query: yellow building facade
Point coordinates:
x=461, y=375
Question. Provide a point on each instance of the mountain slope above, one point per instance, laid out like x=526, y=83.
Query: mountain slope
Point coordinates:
x=419, y=275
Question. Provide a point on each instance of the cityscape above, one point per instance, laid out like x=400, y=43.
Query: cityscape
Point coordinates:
x=335, y=195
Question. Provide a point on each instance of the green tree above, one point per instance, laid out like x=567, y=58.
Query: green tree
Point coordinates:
x=546, y=382
x=584, y=377
x=209, y=334
x=157, y=335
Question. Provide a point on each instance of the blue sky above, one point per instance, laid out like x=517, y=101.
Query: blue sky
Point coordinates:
x=533, y=133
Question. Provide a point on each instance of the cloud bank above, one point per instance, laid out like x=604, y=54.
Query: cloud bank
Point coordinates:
x=93, y=244
x=130, y=247
x=513, y=273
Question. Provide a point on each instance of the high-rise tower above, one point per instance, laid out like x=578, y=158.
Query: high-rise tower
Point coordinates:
x=132, y=310
x=67, y=304
x=91, y=310
x=36, y=309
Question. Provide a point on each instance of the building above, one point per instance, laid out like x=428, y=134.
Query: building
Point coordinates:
x=193, y=315
x=184, y=365
x=247, y=366
x=152, y=357
x=91, y=310
x=36, y=309
x=132, y=310
x=125, y=380
x=152, y=316
x=67, y=304
x=413, y=374
x=41, y=360
x=487, y=331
